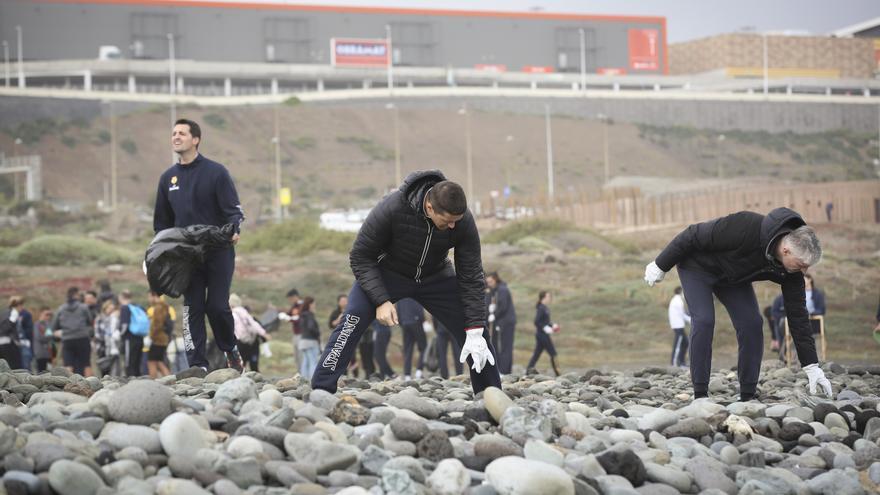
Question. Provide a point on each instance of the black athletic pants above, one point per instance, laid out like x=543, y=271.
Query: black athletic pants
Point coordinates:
x=742, y=306
x=439, y=295
x=208, y=293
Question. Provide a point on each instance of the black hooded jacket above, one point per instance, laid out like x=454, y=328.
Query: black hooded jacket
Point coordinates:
x=398, y=236
x=740, y=248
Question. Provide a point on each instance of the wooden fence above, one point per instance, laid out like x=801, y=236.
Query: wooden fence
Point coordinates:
x=853, y=202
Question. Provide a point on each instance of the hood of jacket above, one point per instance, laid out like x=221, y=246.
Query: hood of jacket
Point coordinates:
x=778, y=222
x=416, y=186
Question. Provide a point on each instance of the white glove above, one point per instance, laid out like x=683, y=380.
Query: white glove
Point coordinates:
x=283, y=316
x=492, y=308
x=548, y=329
x=148, y=342
x=653, y=274
x=817, y=376
x=476, y=347
x=427, y=326
x=491, y=317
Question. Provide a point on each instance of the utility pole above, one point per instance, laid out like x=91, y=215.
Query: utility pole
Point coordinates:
x=277, y=141
x=390, y=58
x=391, y=106
x=6, y=62
x=172, y=87
x=604, y=119
x=21, y=81
x=549, y=152
x=583, y=40
x=114, y=181
x=470, y=156
x=766, y=66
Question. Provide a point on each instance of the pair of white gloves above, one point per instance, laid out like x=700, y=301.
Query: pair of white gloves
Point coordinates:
x=815, y=375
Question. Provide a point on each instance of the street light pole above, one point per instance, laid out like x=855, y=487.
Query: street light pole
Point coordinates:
x=604, y=119
x=21, y=80
x=171, y=88
x=391, y=106
x=721, y=138
x=113, y=163
x=550, y=191
x=6, y=62
x=277, y=141
x=467, y=147
x=766, y=65
x=390, y=58
x=583, y=59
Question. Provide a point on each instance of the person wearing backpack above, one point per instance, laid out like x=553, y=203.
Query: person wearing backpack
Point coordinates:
x=161, y=317
x=9, y=349
x=134, y=325
x=74, y=322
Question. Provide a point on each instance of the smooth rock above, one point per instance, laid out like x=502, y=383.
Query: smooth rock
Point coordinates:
x=72, y=478
x=180, y=434
x=671, y=476
x=450, y=477
x=496, y=402
x=514, y=475
x=536, y=450
x=141, y=402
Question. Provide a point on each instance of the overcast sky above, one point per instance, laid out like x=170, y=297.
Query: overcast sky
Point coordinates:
x=686, y=19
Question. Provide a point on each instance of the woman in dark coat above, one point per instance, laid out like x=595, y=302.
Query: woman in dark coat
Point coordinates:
x=543, y=329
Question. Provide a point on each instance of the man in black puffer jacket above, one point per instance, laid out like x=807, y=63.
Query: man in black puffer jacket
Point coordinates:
x=723, y=257
x=401, y=251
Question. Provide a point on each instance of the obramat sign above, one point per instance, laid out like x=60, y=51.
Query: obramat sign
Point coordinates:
x=359, y=52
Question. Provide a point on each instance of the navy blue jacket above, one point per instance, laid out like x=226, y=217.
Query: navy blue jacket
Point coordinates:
x=410, y=312
x=542, y=318
x=198, y=193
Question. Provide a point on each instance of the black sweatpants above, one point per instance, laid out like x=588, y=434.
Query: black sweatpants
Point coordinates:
x=438, y=294
x=208, y=293
x=543, y=342
x=133, y=352
x=742, y=306
x=413, y=336
x=679, y=347
x=505, y=330
x=444, y=339
x=381, y=339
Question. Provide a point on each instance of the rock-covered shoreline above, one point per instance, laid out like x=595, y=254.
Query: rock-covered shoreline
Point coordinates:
x=588, y=432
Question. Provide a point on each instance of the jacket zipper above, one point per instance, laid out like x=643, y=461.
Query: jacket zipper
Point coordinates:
x=418, y=277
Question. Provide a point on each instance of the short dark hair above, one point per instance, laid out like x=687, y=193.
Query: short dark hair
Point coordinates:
x=194, y=128
x=495, y=276
x=72, y=292
x=677, y=290
x=448, y=197
x=292, y=292
x=307, y=303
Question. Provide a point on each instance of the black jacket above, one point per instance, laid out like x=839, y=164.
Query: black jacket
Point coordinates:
x=199, y=193
x=740, y=248
x=399, y=237
x=542, y=318
x=505, y=313
x=310, y=328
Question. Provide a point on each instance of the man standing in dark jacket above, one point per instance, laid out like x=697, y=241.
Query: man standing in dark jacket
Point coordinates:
x=502, y=315
x=401, y=251
x=412, y=316
x=74, y=322
x=199, y=191
x=723, y=257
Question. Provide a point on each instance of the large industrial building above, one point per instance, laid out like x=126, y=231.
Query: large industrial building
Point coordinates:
x=275, y=31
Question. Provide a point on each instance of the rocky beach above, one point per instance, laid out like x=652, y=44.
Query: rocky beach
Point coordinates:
x=586, y=432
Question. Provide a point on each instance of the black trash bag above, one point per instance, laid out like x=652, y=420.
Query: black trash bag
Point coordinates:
x=174, y=253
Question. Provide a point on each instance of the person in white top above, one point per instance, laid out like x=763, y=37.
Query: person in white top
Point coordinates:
x=677, y=320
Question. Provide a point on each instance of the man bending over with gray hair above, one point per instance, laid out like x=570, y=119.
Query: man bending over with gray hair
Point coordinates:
x=723, y=257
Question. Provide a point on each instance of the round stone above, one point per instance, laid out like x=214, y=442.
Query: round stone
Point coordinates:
x=72, y=478
x=141, y=402
x=180, y=434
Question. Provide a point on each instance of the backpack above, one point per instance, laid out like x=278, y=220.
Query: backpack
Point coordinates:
x=139, y=325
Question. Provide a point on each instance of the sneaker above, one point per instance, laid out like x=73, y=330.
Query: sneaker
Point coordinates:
x=407, y=378
x=418, y=374
x=194, y=372
x=234, y=361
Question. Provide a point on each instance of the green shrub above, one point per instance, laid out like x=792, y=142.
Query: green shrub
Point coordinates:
x=532, y=227
x=303, y=143
x=68, y=141
x=215, y=120
x=103, y=136
x=60, y=250
x=298, y=237
x=373, y=150
x=129, y=146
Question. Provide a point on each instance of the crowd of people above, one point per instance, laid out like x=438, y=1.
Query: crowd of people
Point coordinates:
x=93, y=333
